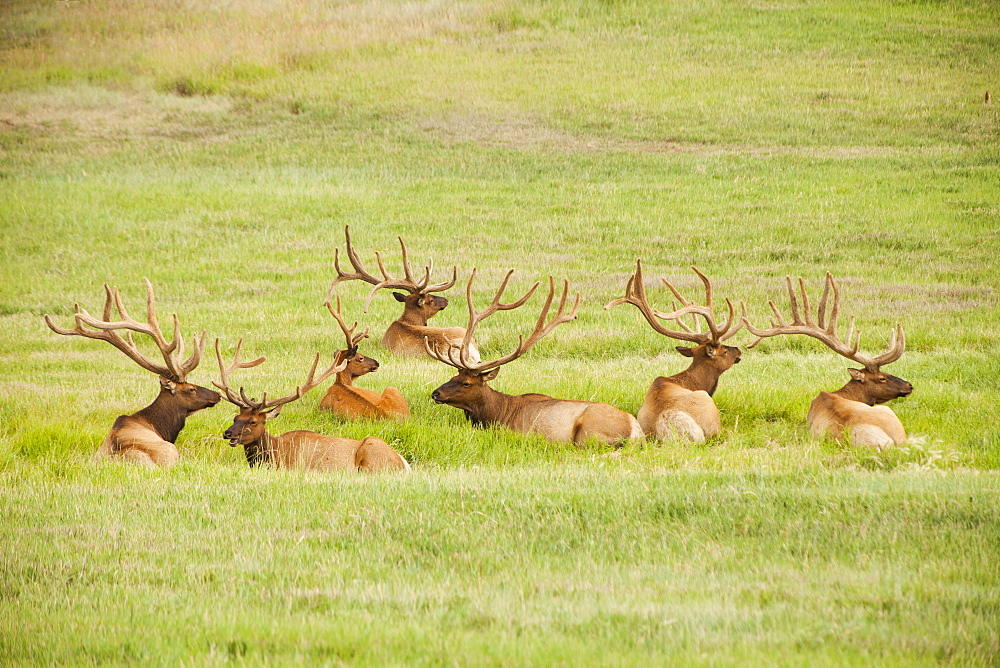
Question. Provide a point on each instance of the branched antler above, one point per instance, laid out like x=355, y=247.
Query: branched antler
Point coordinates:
x=635, y=294
x=266, y=405
x=825, y=328
x=408, y=282
x=352, y=339
x=543, y=325
x=175, y=368
x=241, y=399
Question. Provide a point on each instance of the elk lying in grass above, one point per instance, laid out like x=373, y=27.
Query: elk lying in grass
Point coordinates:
x=297, y=449
x=343, y=398
x=146, y=437
x=555, y=419
x=405, y=336
x=681, y=405
x=854, y=409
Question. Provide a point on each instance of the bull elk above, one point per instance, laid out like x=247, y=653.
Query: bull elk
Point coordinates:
x=148, y=436
x=346, y=400
x=681, y=405
x=405, y=336
x=855, y=409
x=299, y=449
x=555, y=419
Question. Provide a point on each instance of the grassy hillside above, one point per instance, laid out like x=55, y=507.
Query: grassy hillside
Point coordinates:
x=220, y=149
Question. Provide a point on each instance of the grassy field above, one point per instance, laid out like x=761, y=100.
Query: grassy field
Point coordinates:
x=220, y=148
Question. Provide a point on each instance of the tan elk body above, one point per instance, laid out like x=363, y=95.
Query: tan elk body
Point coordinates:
x=561, y=420
x=147, y=437
x=681, y=406
x=346, y=400
x=406, y=335
x=855, y=410
x=300, y=449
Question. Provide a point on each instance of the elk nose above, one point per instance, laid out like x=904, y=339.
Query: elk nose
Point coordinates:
x=435, y=395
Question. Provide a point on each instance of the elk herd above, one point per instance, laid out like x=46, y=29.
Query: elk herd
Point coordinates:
x=678, y=407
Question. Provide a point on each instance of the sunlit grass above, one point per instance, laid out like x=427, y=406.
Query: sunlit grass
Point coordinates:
x=220, y=149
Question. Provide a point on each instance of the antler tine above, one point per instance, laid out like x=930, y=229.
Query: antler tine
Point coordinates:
x=446, y=285
x=359, y=273
x=337, y=366
x=423, y=285
x=195, y=359
x=829, y=285
x=726, y=331
x=352, y=340
x=242, y=401
x=407, y=270
x=897, y=344
x=449, y=359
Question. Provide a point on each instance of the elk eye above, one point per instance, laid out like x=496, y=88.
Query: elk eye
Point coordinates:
x=466, y=384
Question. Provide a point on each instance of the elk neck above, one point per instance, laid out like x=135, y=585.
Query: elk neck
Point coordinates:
x=855, y=391
x=261, y=452
x=412, y=316
x=345, y=377
x=701, y=375
x=490, y=407
x=165, y=415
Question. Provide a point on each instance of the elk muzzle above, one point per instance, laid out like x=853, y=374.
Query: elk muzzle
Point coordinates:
x=247, y=427
x=194, y=397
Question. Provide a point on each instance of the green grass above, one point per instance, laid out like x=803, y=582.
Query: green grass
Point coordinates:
x=220, y=151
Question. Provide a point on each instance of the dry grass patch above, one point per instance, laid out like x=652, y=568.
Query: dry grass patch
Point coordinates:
x=100, y=113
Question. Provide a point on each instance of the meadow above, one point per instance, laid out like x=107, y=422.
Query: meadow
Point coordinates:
x=219, y=149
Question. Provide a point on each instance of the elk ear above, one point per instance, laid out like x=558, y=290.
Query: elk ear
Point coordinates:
x=491, y=374
x=270, y=415
x=857, y=374
x=711, y=350
x=167, y=384
x=686, y=352
x=400, y=297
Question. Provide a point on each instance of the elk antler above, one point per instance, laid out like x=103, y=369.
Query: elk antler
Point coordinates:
x=635, y=294
x=241, y=400
x=265, y=405
x=407, y=283
x=352, y=340
x=106, y=330
x=463, y=361
x=825, y=329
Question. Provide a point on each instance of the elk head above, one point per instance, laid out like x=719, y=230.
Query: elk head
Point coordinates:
x=710, y=357
x=419, y=303
x=173, y=371
x=249, y=427
x=357, y=364
x=466, y=389
x=869, y=384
